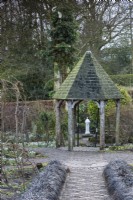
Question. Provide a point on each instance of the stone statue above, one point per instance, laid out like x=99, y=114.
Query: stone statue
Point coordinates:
x=87, y=126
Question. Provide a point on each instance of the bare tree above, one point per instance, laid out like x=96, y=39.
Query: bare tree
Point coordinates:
x=102, y=22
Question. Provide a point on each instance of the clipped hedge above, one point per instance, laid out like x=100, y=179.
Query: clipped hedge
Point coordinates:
x=123, y=79
x=119, y=178
x=47, y=184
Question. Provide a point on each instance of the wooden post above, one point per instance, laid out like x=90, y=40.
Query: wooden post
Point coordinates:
x=70, y=126
x=102, y=125
x=78, y=126
x=58, y=124
x=117, y=122
x=74, y=104
x=74, y=124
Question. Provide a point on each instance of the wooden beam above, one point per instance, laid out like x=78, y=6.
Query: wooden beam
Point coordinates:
x=102, y=125
x=70, y=125
x=74, y=124
x=74, y=104
x=57, y=106
x=117, y=132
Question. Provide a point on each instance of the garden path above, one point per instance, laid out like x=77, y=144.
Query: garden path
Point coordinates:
x=86, y=164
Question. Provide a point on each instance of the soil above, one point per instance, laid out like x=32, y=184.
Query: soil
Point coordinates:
x=15, y=179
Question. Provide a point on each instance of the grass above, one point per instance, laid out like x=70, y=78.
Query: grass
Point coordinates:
x=41, y=144
x=126, y=147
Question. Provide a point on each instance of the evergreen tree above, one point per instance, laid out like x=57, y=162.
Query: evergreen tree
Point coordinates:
x=63, y=35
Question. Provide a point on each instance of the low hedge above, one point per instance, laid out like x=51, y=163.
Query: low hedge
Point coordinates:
x=123, y=79
x=47, y=184
x=119, y=178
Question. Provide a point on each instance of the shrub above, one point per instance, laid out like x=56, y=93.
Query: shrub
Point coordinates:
x=123, y=79
x=45, y=127
x=126, y=127
x=119, y=179
x=47, y=184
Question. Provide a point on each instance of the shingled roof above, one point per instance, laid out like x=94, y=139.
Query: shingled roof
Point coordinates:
x=88, y=80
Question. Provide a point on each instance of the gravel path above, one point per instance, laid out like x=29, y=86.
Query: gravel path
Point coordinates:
x=85, y=180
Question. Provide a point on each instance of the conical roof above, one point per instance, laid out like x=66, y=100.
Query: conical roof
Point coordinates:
x=88, y=80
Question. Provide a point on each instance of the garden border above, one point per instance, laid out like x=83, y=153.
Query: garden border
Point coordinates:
x=47, y=185
x=119, y=179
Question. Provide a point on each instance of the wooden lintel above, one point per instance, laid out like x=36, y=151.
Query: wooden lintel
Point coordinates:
x=97, y=103
x=59, y=102
x=74, y=103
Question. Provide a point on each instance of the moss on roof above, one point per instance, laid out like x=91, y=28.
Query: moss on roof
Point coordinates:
x=88, y=80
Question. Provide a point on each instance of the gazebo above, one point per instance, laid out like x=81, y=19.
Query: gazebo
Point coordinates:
x=87, y=81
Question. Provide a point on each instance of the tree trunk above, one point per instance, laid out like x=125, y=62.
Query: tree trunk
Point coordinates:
x=16, y=117
x=131, y=37
x=2, y=117
x=57, y=77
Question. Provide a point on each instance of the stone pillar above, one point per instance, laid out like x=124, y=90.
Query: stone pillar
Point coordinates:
x=117, y=122
x=102, y=125
x=58, y=123
x=70, y=125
